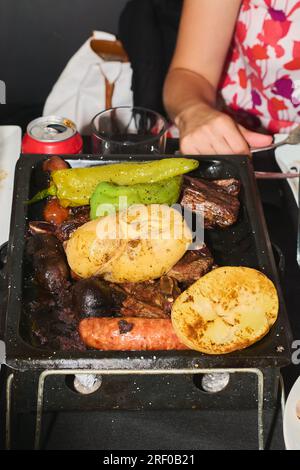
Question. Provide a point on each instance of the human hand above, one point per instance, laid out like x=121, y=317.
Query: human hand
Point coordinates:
x=206, y=131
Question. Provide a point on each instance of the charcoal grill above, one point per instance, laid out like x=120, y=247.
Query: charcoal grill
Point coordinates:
x=254, y=370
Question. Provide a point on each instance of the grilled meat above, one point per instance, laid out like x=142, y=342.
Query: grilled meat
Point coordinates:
x=151, y=299
x=113, y=334
x=92, y=298
x=55, y=163
x=40, y=227
x=51, y=270
x=54, y=213
x=217, y=205
x=193, y=265
x=52, y=323
x=61, y=302
x=231, y=186
x=41, y=243
x=47, y=330
x=79, y=216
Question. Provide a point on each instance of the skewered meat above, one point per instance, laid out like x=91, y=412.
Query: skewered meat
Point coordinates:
x=151, y=299
x=112, y=334
x=219, y=208
x=193, y=265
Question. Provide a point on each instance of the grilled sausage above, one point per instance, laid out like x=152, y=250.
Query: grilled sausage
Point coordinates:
x=54, y=213
x=92, y=298
x=51, y=272
x=42, y=242
x=55, y=163
x=132, y=334
x=47, y=256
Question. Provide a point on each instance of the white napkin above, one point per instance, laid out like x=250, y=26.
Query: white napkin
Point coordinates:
x=79, y=93
x=288, y=159
x=10, y=147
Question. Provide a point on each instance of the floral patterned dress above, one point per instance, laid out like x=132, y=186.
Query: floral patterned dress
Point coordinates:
x=262, y=76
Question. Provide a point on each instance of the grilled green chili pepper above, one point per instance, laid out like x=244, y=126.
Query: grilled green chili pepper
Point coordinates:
x=51, y=191
x=75, y=186
x=109, y=196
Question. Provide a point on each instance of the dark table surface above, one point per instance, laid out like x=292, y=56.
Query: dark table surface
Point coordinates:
x=190, y=429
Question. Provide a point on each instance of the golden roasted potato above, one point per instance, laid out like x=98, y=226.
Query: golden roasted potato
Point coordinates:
x=226, y=310
x=134, y=245
x=87, y=254
x=156, y=238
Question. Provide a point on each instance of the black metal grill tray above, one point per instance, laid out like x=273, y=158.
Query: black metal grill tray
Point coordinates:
x=244, y=244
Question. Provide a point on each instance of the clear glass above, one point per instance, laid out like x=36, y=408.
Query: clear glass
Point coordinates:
x=130, y=131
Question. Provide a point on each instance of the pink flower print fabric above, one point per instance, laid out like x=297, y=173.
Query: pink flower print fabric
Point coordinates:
x=262, y=75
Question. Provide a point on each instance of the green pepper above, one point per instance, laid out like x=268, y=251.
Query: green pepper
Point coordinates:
x=51, y=191
x=109, y=196
x=75, y=186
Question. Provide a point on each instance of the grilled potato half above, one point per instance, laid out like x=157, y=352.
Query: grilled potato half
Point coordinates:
x=134, y=245
x=226, y=310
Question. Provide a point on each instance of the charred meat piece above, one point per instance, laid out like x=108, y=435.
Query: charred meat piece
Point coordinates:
x=42, y=243
x=78, y=217
x=81, y=213
x=219, y=208
x=132, y=307
x=53, y=328
x=40, y=227
x=151, y=299
x=51, y=270
x=231, y=186
x=193, y=265
x=92, y=298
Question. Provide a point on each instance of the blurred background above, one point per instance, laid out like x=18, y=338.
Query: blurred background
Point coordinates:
x=38, y=37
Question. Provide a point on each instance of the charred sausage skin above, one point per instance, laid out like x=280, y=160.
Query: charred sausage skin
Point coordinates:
x=132, y=334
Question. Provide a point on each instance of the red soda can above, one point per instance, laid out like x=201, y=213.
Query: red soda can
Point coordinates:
x=52, y=135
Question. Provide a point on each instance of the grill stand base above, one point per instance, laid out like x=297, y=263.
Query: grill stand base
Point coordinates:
x=10, y=414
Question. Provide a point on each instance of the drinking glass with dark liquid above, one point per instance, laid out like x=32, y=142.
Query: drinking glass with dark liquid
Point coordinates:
x=129, y=131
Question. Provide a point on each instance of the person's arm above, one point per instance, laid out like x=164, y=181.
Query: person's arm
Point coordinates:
x=204, y=38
